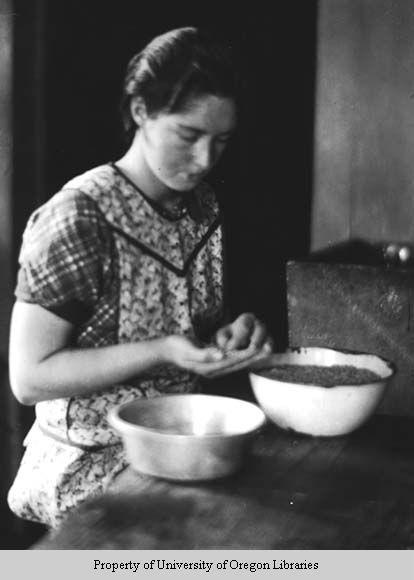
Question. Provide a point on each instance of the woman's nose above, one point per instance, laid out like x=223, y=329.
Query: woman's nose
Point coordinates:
x=204, y=156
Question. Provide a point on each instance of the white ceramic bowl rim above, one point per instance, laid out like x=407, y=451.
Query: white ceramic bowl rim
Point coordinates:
x=122, y=425
x=261, y=367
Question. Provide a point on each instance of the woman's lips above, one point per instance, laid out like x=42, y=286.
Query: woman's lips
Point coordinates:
x=195, y=176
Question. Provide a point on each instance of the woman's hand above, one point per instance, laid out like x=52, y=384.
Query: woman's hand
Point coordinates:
x=207, y=361
x=237, y=345
x=246, y=332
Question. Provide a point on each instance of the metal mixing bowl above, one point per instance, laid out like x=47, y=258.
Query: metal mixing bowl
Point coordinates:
x=186, y=437
x=315, y=409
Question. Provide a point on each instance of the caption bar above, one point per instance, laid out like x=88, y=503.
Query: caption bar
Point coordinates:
x=202, y=565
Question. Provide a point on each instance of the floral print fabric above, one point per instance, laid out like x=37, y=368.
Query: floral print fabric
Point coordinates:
x=154, y=277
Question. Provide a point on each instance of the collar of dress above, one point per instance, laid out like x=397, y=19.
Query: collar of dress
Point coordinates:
x=175, y=243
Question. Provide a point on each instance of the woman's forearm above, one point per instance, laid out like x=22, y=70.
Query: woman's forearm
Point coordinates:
x=44, y=366
x=71, y=372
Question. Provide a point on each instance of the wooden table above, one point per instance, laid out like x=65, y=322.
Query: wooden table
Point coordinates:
x=294, y=492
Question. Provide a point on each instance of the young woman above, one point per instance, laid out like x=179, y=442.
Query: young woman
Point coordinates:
x=120, y=288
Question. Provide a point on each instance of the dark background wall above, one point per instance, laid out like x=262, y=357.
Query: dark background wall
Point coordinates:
x=6, y=163
x=9, y=454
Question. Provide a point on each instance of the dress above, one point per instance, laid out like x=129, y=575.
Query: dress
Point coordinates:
x=100, y=255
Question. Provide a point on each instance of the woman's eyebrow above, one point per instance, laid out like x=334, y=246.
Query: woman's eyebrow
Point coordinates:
x=190, y=128
x=201, y=131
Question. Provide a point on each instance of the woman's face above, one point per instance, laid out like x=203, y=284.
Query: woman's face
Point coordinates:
x=181, y=148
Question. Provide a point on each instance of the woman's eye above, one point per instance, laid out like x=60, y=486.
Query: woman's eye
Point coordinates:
x=188, y=138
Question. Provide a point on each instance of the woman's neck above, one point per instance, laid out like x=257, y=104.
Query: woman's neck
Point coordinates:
x=135, y=167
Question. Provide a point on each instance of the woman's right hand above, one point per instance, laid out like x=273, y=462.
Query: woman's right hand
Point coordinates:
x=208, y=361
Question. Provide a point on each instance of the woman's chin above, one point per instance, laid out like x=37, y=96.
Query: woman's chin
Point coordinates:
x=184, y=185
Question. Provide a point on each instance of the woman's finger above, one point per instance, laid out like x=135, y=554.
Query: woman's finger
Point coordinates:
x=268, y=345
x=237, y=364
x=223, y=336
x=241, y=329
x=209, y=355
x=190, y=353
x=259, y=335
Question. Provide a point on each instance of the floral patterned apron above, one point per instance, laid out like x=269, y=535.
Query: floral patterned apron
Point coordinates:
x=170, y=282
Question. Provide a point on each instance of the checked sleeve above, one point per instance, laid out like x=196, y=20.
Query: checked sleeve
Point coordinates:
x=61, y=258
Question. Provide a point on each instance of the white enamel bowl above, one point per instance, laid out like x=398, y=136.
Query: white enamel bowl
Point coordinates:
x=187, y=437
x=314, y=409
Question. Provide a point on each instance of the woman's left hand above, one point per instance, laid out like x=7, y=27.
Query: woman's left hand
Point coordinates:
x=246, y=332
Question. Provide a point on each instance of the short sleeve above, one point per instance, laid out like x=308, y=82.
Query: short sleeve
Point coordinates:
x=61, y=258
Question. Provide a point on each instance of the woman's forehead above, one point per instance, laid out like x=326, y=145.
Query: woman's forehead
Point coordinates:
x=208, y=112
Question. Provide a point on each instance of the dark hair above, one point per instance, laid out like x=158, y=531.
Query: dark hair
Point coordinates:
x=175, y=67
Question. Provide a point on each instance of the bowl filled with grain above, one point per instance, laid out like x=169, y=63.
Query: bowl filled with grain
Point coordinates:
x=320, y=391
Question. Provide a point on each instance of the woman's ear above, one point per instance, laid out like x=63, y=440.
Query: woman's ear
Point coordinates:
x=138, y=110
